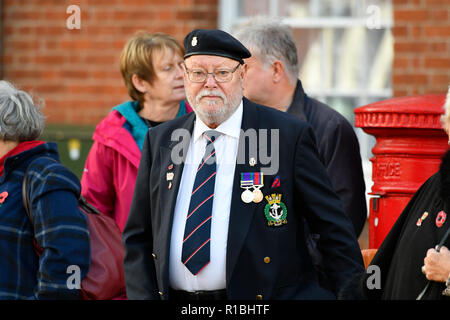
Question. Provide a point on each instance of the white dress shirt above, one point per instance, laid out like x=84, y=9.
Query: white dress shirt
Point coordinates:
x=212, y=277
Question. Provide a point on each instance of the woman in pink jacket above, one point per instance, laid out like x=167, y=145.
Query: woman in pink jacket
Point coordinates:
x=151, y=68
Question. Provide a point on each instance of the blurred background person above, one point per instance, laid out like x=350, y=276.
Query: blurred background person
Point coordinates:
x=272, y=80
x=58, y=227
x=151, y=68
x=407, y=258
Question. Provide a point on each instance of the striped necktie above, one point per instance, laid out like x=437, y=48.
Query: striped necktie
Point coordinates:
x=197, y=233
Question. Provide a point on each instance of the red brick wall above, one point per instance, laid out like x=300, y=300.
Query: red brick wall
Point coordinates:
x=421, y=47
x=76, y=71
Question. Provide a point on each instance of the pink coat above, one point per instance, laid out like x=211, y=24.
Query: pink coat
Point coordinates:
x=111, y=169
x=112, y=164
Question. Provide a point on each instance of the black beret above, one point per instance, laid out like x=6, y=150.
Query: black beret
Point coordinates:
x=214, y=43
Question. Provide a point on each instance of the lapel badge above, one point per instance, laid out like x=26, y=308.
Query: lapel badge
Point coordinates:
x=440, y=219
x=423, y=217
x=275, y=210
x=169, y=176
x=276, y=183
x=252, y=162
x=3, y=197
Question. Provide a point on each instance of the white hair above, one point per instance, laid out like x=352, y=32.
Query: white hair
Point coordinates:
x=269, y=39
x=20, y=118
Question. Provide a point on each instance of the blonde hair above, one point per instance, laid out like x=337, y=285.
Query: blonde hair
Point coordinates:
x=137, y=58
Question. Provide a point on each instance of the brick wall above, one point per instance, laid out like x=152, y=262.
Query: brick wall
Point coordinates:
x=422, y=47
x=76, y=71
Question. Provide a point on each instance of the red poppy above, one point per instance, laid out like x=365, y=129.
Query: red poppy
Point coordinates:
x=440, y=219
x=3, y=196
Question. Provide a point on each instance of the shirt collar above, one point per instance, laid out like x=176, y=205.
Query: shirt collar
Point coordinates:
x=231, y=127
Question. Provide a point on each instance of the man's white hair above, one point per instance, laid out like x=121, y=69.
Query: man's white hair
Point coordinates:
x=269, y=39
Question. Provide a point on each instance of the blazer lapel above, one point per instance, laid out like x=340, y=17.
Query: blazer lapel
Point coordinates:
x=169, y=189
x=241, y=213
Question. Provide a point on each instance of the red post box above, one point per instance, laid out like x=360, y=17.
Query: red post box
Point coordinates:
x=409, y=145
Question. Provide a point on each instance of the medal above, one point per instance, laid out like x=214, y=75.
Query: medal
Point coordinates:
x=252, y=180
x=257, y=185
x=257, y=195
x=247, y=196
x=246, y=183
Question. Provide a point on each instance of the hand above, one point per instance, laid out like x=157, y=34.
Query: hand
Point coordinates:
x=437, y=265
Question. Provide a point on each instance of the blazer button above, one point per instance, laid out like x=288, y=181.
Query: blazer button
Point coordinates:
x=259, y=297
x=266, y=259
x=161, y=293
x=154, y=256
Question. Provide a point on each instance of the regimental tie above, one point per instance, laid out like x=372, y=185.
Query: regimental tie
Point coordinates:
x=197, y=232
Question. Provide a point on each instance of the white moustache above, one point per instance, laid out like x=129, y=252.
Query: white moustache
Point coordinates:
x=206, y=92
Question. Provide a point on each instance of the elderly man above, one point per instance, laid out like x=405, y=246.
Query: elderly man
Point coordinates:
x=272, y=80
x=209, y=218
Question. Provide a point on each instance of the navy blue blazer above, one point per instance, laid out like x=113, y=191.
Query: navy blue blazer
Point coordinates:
x=306, y=192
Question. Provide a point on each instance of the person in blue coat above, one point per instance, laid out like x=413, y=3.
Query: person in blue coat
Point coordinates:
x=221, y=194
x=59, y=229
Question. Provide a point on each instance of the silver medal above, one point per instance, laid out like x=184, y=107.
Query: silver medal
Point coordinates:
x=247, y=196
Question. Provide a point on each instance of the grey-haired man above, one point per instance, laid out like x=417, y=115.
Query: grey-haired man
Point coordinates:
x=272, y=80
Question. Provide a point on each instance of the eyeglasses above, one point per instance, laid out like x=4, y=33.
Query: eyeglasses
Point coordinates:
x=220, y=75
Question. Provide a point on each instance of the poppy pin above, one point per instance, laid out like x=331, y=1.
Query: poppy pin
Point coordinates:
x=3, y=196
x=440, y=219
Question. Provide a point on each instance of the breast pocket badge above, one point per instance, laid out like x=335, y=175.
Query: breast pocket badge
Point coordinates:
x=275, y=210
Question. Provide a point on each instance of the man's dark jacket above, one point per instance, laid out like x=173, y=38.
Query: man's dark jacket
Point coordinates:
x=306, y=192
x=338, y=150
